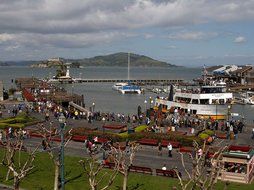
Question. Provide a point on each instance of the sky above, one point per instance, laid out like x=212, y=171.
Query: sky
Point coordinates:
x=182, y=32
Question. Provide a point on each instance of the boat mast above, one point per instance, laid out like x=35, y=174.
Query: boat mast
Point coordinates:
x=204, y=74
x=128, y=66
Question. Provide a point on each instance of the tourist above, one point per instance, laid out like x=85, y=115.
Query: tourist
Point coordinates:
x=95, y=139
x=200, y=152
x=240, y=127
x=164, y=167
x=252, y=137
x=169, y=149
x=159, y=149
x=235, y=130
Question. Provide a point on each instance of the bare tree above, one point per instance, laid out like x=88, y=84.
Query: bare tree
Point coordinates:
x=47, y=145
x=201, y=175
x=125, y=159
x=93, y=168
x=19, y=169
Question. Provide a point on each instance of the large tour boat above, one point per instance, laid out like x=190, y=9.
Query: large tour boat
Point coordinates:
x=206, y=101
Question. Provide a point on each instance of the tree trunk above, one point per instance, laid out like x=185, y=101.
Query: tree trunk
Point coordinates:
x=125, y=180
x=16, y=183
x=7, y=175
x=56, y=182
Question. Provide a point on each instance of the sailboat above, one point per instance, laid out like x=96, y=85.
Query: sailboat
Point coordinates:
x=127, y=88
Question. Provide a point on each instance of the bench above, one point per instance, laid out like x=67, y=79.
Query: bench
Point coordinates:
x=186, y=149
x=151, y=142
x=79, y=138
x=109, y=165
x=56, y=139
x=166, y=173
x=35, y=135
x=239, y=148
x=175, y=144
x=139, y=169
x=101, y=140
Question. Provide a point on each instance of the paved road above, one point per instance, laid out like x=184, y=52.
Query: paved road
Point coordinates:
x=146, y=156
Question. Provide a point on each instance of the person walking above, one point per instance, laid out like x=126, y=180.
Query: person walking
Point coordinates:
x=164, y=167
x=252, y=136
x=159, y=149
x=170, y=148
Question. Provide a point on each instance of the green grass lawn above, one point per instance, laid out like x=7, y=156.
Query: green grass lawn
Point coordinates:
x=42, y=177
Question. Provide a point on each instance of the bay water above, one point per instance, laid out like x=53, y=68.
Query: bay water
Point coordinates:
x=102, y=95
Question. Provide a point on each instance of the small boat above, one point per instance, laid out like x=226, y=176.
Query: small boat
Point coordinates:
x=127, y=88
x=130, y=89
x=117, y=86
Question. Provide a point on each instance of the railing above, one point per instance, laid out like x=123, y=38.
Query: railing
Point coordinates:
x=235, y=177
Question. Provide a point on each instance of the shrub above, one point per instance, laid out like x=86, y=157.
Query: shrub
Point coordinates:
x=172, y=136
x=141, y=128
x=3, y=125
x=203, y=136
x=209, y=132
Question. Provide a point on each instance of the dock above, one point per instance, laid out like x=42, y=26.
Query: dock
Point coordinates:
x=134, y=81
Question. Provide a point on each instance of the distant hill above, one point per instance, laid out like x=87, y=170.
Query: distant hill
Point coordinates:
x=117, y=59
x=18, y=63
x=121, y=60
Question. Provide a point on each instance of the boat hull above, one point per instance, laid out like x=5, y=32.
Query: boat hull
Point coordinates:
x=215, y=111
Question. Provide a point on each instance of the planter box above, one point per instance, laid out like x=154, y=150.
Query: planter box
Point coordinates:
x=151, y=142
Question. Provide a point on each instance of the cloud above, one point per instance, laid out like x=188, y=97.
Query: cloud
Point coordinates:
x=79, y=16
x=63, y=40
x=148, y=36
x=240, y=39
x=5, y=37
x=171, y=47
x=196, y=35
x=77, y=24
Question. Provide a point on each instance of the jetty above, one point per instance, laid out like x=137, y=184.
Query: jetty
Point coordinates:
x=134, y=81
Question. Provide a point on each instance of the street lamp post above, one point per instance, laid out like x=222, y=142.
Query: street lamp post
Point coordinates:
x=150, y=101
x=93, y=106
x=229, y=107
x=62, y=120
x=145, y=104
x=104, y=122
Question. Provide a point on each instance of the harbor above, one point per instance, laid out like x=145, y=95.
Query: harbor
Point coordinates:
x=127, y=95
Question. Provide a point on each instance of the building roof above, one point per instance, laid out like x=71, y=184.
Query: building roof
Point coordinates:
x=234, y=151
x=242, y=69
x=212, y=68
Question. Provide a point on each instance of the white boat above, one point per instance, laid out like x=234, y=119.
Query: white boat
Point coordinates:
x=117, y=86
x=130, y=89
x=127, y=88
x=206, y=102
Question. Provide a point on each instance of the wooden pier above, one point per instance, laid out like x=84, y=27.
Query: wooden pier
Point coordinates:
x=134, y=81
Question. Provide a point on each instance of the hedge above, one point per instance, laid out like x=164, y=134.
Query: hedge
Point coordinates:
x=20, y=121
x=172, y=136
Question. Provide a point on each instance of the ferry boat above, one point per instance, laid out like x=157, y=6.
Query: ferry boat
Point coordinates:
x=206, y=102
